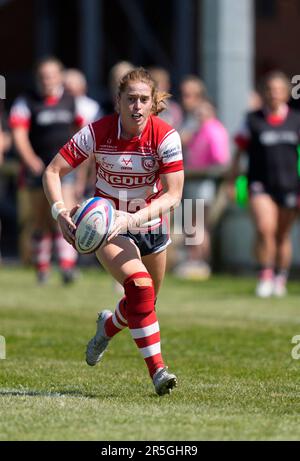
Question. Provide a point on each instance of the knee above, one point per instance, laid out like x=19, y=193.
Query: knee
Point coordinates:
x=140, y=294
x=282, y=238
x=266, y=233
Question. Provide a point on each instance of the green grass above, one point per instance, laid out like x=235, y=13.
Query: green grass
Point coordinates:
x=231, y=352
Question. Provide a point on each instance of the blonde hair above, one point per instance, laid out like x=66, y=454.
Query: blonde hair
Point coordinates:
x=142, y=75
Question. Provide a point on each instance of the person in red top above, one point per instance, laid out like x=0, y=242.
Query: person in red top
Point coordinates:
x=139, y=167
x=41, y=121
x=270, y=136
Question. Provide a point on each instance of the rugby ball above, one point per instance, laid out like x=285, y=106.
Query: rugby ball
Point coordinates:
x=93, y=219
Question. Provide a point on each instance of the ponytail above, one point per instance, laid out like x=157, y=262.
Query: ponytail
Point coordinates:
x=160, y=102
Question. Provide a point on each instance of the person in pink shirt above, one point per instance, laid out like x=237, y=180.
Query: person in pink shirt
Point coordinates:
x=207, y=153
x=210, y=144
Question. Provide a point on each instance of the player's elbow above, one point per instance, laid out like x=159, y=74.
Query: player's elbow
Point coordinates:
x=48, y=174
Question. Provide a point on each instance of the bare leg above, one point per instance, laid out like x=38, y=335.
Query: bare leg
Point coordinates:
x=286, y=219
x=265, y=215
x=156, y=266
x=122, y=259
x=42, y=225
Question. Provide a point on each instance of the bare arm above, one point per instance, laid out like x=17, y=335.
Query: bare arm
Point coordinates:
x=86, y=176
x=233, y=173
x=26, y=152
x=170, y=199
x=58, y=168
x=234, y=170
x=7, y=141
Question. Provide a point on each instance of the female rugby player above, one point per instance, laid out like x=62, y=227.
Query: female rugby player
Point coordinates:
x=139, y=166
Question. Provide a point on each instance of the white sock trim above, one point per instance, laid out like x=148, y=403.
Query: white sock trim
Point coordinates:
x=120, y=315
x=116, y=323
x=149, y=351
x=138, y=333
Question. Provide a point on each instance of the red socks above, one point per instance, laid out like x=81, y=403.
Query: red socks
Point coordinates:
x=67, y=255
x=136, y=310
x=117, y=321
x=142, y=320
x=42, y=249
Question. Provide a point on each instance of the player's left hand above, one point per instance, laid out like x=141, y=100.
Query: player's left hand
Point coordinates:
x=123, y=223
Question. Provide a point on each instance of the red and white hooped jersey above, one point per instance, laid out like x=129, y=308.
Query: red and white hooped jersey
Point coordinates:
x=127, y=170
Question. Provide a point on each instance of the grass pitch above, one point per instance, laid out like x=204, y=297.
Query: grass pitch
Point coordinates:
x=230, y=351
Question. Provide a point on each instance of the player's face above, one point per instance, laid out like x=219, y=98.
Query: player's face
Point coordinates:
x=49, y=78
x=276, y=93
x=135, y=105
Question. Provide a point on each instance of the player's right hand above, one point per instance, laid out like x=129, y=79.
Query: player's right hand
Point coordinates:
x=67, y=226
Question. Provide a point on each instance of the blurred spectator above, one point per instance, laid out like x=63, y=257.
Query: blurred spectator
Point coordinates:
x=115, y=75
x=207, y=154
x=6, y=141
x=90, y=111
x=192, y=92
x=6, y=198
x=209, y=146
x=270, y=137
x=173, y=113
x=254, y=101
x=76, y=84
x=42, y=121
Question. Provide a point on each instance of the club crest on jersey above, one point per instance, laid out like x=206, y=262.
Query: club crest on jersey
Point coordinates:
x=148, y=163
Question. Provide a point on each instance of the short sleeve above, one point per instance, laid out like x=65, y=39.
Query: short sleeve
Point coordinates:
x=170, y=153
x=20, y=114
x=79, y=148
